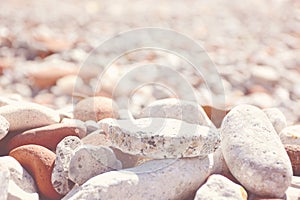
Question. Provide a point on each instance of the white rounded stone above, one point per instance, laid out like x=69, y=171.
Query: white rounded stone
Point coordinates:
x=187, y=111
x=64, y=152
x=277, y=118
x=156, y=179
x=21, y=184
x=254, y=153
x=161, y=137
x=4, y=127
x=290, y=135
x=89, y=161
x=219, y=187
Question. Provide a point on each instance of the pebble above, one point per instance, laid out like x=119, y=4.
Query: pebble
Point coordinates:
x=277, y=118
x=21, y=184
x=4, y=127
x=4, y=181
x=156, y=179
x=95, y=108
x=47, y=136
x=290, y=135
x=89, y=161
x=219, y=187
x=45, y=75
x=187, y=111
x=164, y=138
x=26, y=116
x=60, y=174
x=254, y=153
x=99, y=138
x=294, y=154
x=39, y=162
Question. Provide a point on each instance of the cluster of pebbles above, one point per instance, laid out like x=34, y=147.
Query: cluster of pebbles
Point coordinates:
x=65, y=134
x=100, y=154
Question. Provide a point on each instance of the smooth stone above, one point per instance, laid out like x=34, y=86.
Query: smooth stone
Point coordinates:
x=39, y=162
x=60, y=174
x=48, y=136
x=218, y=187
x=35, y=115
x=95, y=108
x=21, y=184
x=89, y=161
x=161, y=137
x=290, y=135
x=156, y=179
x=99, y=138
x=4, y=181
x=187, y=111
x=4, y=127
x=254, y=153
x=277, y=118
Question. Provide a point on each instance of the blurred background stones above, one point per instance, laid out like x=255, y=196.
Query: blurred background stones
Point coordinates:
x=255, y=46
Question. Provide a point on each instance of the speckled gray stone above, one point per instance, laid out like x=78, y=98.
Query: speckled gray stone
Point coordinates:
x=161, y=137
x=28, y=115
x=187, y=111
x=64, y=152
x=290, y=135
x=219, y=187
x=21, y=184
x=277, y=118
x=157, y=179
x=254, y=153
x=4, y=127
x=89, y=161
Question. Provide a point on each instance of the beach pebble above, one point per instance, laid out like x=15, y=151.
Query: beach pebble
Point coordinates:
x=47, y=136
x=220, y=166
x=187, y=111
x=254, y=153
x=95, y=108
x=39, y=162
x=290, y=135
x=60, y=174
x=156, y=179
x=46, y=74
x=4, y=127
x=26, y=116
x=277, y=118
x=89, y=161
x=218, y=187
x=161, y=137
x=294, y=154
x=21, y=184
x=99, y=138
x=4, y=181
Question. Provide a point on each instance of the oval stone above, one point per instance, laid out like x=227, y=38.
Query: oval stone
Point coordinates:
x=254, y=153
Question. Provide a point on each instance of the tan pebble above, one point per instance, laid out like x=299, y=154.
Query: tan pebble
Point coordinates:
x=47, y=136
x=95, y=108
x=48, y=75
x=39, y=162
x=26, y=116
